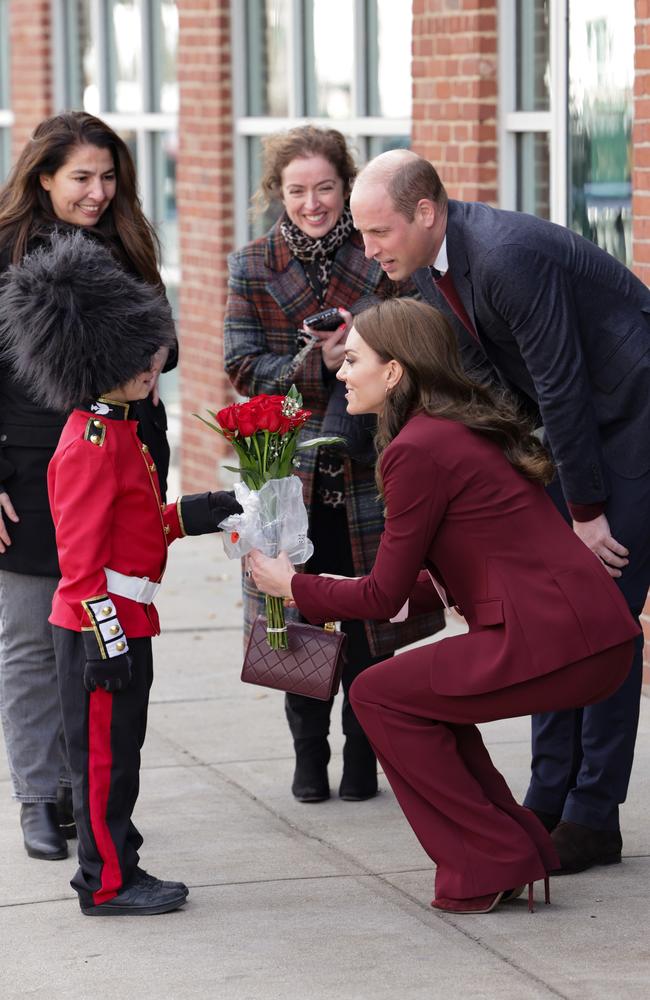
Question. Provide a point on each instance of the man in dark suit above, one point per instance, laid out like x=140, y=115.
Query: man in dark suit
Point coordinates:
x=566, y=327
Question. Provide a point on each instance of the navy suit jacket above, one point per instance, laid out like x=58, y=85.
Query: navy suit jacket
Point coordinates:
x=563, y=324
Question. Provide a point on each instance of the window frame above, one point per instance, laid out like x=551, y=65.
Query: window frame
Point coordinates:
x=553, y=122
x=359, y=128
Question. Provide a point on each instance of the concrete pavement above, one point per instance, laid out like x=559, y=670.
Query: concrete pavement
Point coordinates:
x=292, y=901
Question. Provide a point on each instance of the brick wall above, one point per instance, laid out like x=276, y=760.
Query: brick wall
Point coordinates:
x=641, y=190
x=30, y=67
x=455, y=93
x=205, y=212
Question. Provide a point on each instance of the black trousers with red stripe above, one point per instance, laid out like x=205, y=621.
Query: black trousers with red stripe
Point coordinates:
x=104, y=734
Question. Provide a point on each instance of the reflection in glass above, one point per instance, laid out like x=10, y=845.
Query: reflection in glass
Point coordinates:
x=382, y=143
x=533, y=173
x=329, y=57
x=131, y=140
x=267, y=28
x=4, y=54
x=259, y=224
x=81, y=81
x=124, y=56
x=532, y=55
x=164, y=42
x=601, y=79
x=388, y=40
x=165, y=218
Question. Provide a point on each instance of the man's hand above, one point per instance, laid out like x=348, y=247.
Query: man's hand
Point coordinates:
x=6, y=511
x=597, y=537
x=113, y=674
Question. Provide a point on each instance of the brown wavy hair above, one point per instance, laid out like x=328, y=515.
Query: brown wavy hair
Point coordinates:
x=303, y=141
x=433, y=382
x=26, y=209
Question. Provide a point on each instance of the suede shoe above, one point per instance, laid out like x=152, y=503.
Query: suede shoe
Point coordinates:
x=144, y=878
x=580, y=847
x=140, y=898
x=41, y=833
x=359, y=780
x=310, y=781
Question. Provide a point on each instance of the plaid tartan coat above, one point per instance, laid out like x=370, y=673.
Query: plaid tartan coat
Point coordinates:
x=268, y=299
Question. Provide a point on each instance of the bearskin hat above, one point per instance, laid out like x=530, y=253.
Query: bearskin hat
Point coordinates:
x=74, y=325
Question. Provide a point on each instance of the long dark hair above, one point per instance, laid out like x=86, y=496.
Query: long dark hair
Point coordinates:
x=433, y=382
x=25, y=206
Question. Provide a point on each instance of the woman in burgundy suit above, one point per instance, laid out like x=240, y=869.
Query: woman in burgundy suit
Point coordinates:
x=462, y=480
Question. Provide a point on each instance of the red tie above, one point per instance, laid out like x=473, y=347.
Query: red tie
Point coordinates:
x=448, y=289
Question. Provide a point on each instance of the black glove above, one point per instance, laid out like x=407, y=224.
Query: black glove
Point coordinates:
x=113, y=674
x=204, y=512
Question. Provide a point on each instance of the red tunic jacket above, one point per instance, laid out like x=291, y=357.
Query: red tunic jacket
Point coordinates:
x=534, y=596
x=107, y=511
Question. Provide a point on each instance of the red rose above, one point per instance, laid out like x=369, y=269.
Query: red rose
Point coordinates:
x=227, y=418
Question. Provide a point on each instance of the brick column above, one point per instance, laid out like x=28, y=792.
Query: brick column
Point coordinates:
x=205, y=212
x=30, y=37
x=641, y=190
x=455, y=93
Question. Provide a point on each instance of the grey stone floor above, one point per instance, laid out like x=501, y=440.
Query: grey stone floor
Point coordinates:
x=291, y=901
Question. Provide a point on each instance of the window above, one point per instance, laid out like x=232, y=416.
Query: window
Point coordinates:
x=345, y=63
x=601, y=81
x=117, y=59
x=6, y=117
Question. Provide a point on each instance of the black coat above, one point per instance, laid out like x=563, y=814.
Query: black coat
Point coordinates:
x=28, y=436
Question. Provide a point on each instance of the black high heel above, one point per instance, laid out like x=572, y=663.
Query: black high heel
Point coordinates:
x=531, y=897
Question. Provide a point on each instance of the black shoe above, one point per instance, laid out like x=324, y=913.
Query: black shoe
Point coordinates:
x=140, y=898
x=144, y=878
x=43, y=839
x=548, y=820
x=580, y=847
x=359, y=781
x=64, y=813
x=310, y=781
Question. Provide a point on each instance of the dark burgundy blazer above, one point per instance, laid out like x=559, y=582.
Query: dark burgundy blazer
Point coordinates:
x=534, y=596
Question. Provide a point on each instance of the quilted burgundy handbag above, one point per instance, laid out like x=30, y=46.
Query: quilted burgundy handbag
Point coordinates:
x=311, y=665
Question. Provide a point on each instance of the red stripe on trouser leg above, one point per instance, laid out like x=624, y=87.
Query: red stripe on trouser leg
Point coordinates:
x=100, y=764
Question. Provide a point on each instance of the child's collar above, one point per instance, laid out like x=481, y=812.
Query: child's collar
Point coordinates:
x=111, y=409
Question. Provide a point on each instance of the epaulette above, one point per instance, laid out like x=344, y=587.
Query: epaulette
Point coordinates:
x=95, y=432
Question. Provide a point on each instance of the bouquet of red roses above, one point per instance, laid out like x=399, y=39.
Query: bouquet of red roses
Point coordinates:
x=264, y=432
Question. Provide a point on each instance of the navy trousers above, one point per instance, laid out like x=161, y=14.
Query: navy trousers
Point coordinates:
x=582, y=759
x=104, y=735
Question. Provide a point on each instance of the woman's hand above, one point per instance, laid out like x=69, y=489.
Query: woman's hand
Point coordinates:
x=333, y=344
x=272, y=576
x=6, y=510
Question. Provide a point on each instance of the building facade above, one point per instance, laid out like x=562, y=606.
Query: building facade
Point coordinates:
x=536, y=105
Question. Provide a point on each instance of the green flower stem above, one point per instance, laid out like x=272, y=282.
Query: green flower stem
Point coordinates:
x=275, y=619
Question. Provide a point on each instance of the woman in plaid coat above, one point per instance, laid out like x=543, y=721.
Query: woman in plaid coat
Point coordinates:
x=310, y=260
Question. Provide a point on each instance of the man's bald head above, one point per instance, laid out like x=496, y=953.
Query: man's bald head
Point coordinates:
x=405, y=177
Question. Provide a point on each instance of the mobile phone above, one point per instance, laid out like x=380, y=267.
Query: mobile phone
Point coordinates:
x=327, y=319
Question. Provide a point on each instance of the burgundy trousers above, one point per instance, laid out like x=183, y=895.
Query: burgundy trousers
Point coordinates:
x=458, y=804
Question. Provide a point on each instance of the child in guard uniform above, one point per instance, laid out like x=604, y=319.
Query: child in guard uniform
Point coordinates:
x=88, y=338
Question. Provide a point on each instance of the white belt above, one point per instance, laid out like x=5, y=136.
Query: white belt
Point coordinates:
x=136, y=588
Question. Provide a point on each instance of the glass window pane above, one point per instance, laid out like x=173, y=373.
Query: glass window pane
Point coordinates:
x=601, y=80
x=125, y=84
x=131, y=139
x=79, y=64
x=165, y=218
x=388, y=67
x=259, y=224
x=164, y=41
x=533, y=173
x=267, y=31
x=532, y=55
x=382, y=143
x=329, y=58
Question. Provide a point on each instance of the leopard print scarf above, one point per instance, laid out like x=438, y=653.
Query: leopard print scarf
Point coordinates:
x=319, y=251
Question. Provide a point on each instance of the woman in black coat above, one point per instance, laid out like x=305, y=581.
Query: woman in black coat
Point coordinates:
x=75, y=172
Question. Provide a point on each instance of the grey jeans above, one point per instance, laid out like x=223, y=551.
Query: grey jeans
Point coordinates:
x=29, y=697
